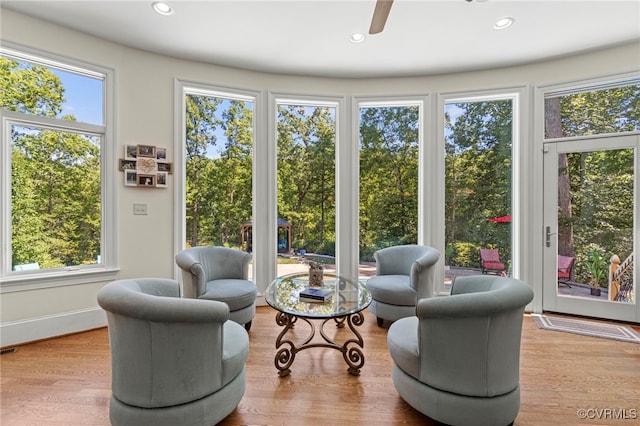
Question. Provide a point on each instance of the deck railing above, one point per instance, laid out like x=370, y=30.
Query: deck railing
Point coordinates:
x=621, y=279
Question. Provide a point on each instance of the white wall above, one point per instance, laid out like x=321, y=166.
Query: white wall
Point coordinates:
x=145, y=115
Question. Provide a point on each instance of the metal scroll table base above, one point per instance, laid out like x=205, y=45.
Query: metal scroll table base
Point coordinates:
x=351, y=348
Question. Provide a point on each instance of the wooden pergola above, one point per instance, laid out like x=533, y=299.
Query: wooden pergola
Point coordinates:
x=284, y=236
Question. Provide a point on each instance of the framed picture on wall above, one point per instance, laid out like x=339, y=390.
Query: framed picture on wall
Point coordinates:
x=130, y=152
x=130, y=178
x=127, y=164
x=161, y=154
x=146, y=166
x=146, y=180
x=165, y=167
x=146, y=151
x=161, y=179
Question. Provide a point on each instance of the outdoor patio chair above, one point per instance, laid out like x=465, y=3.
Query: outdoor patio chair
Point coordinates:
x=565, y=269
x=490, y=261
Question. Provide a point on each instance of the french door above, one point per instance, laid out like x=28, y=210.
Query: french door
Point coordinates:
x=591, y=199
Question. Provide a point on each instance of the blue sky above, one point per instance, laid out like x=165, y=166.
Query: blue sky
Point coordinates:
x=83, y=96
x=84, y=101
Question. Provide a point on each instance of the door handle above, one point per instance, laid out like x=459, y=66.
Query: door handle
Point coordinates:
x=548, y=235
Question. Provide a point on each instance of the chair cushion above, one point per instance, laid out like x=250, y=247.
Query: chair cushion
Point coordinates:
x=235, y=350
x=494, y=265
x=402, y=340
x=237, y=294
x=392, y=289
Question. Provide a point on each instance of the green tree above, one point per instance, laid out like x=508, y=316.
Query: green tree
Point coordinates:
x=388, y=177
x=29, y=88
x=306, y=175
x=477, y=179
x=219, y=142
x=55, y=186
x=201, y=126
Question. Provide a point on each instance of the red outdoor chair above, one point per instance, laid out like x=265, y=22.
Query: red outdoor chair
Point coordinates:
x=565, y=269
x=490, y=261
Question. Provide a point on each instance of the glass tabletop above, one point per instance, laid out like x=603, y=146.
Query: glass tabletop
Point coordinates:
x=346, y=296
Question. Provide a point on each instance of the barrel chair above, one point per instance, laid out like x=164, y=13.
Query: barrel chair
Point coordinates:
x=220, y=273
x=404, y=274
x=458, y=360
x=174, y=361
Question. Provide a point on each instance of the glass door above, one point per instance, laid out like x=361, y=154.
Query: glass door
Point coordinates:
x=591, y=227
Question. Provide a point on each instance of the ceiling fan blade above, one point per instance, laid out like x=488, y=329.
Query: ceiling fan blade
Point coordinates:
x=380, y=15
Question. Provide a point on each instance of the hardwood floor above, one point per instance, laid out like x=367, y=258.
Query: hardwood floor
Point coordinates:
x=66, y=381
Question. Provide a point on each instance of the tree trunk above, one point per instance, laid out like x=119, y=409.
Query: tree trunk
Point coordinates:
x=553, y=128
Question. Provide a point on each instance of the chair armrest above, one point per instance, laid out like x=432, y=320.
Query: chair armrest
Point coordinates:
x=120, y=297
x=185, y=260
x=399, y=260
x=422, y=273
x=194, y=277
x=480, y=297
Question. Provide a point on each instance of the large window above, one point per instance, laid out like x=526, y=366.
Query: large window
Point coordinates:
x=218, y=163
x=54, y=140
x=306, y=144
x=478, y=188
x=389, y=153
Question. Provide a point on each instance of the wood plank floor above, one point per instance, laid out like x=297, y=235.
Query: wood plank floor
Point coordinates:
x=66, y=381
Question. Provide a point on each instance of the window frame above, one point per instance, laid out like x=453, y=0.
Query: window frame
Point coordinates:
x=544, y=92
x=521, y=206
x=182, y=88
x=423, y=104
x=106, y=269
x=345, y=204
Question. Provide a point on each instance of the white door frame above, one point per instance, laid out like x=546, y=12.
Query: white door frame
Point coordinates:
x=576, y=305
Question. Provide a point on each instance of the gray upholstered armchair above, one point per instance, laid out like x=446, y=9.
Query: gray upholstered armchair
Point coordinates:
x=458, y=361
x=174, y=361
x=404, y=274
x=220, y=273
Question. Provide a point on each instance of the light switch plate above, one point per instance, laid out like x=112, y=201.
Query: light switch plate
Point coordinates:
x=140, y=208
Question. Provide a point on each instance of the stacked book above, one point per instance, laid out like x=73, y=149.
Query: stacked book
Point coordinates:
x=315, y=294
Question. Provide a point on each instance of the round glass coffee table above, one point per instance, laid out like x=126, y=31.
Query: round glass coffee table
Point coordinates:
x=345, y=303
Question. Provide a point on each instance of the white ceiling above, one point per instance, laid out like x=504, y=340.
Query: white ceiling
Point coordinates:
x=311, y=37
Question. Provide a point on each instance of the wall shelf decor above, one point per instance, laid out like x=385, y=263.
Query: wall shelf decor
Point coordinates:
x=145, y=166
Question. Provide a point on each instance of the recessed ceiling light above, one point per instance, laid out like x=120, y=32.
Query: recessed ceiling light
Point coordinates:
x=357, y=38
x=162, y=8
x=503, y=23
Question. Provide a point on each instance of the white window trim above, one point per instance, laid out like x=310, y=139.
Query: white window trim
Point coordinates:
x=12, y=281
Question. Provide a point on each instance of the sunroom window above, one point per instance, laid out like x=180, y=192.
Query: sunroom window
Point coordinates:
x=53, y=179
x=389, y=152
x=601, y=109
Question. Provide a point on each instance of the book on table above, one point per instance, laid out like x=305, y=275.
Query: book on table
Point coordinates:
x=315, y=294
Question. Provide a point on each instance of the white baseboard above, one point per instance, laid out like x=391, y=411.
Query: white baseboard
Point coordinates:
x=24, y=331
